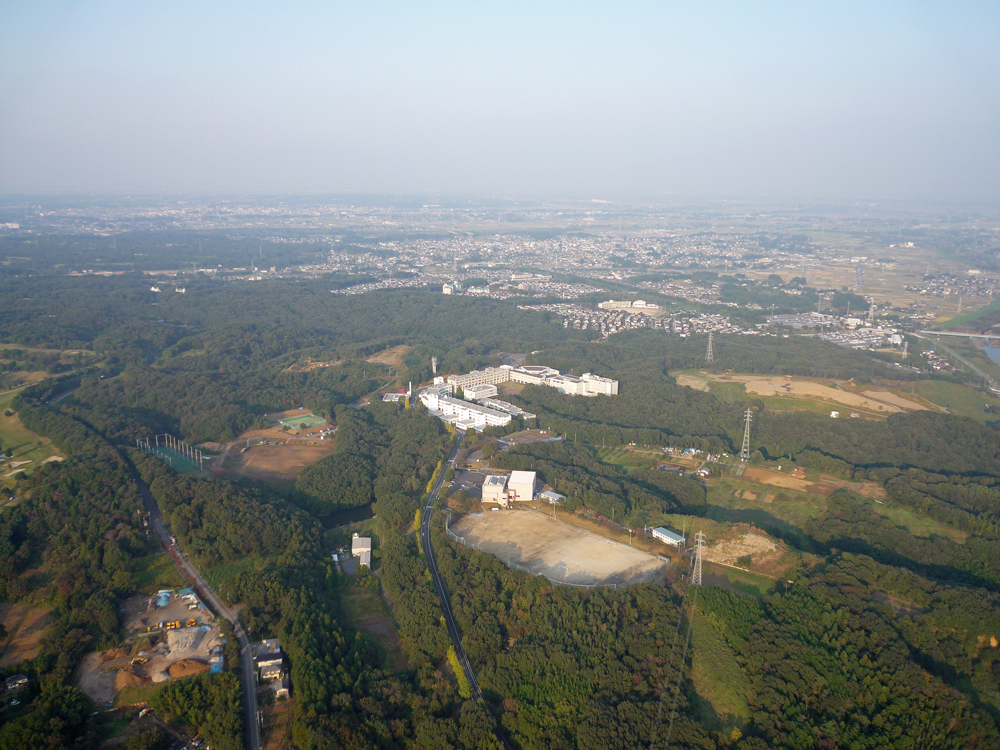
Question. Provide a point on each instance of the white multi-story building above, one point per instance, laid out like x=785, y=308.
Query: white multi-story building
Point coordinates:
x=587, y=384
x=516, y=487
x=487, y=376
x=479, y=392
x=463, y=413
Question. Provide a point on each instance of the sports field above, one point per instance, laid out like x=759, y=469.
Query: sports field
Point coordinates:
x=560, y=551
x=530, y=436
x=302, y=422
x=281, y=462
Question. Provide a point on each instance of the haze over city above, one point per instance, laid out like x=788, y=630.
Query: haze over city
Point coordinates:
x=843, y=101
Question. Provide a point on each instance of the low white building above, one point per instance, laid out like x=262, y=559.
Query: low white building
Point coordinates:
x=479, y=392
x=361, y=546
x=668, y=537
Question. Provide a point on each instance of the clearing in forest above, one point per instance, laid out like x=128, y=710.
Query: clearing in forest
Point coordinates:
x=25, y=626
x=282, y=462
x=534, y=542
x=366, y=611
x=822, y=395
x=717, y=676
x=392, y=357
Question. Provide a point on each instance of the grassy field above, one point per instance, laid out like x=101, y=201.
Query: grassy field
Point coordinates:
x=958, y=399
x=367, y=611
x=741, y=580
x=21, y=443
x=717, y=677
x=138, y=693
x=919, y=525
x=627, y=458
x=155, y=572
x=217, y=576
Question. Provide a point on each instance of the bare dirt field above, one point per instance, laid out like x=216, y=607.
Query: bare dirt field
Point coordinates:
x=26, y=626
x=557, y=550
x=752, y=542
x=392, y=356
x=277, y=462
x=775, y=479
x=894, y=399
x=691, y=381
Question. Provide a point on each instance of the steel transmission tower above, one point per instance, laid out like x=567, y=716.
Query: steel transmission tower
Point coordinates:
x=709, y=356
x=698, y=547
x=745, y=450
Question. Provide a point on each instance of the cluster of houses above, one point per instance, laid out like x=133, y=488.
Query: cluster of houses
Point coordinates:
x=271, y=667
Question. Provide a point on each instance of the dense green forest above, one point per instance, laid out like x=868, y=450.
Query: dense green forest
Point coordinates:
x=881, y=639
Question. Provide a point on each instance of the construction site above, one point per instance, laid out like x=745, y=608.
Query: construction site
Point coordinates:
x=168, y=636
x=536, y=543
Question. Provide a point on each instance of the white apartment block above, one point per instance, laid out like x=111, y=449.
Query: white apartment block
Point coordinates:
x=587, y=384
x=463, y=414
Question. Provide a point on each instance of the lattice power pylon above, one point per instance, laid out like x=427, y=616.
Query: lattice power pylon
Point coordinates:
x=698, y=548
x=709, y=356
x=745, y=450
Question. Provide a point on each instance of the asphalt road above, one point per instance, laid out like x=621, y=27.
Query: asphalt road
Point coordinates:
x=425, y=542
x=209, y=596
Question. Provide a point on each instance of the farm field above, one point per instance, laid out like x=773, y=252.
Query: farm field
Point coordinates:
x=556, y=549
x=958, y=399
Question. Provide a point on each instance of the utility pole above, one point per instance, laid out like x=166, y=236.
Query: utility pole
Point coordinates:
x=745, y=450
x=698, y=546
x=709, y=356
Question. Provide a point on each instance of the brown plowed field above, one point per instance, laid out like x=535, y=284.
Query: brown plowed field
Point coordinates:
x=776, y=479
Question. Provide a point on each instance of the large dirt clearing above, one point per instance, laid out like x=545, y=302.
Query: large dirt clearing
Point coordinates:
x=557, y=550
x=392, y=357
x=277, y=462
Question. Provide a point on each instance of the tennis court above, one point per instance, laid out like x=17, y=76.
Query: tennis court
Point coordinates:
x=529, y=436
x=302, y=421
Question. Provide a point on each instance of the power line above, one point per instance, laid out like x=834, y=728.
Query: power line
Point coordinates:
x=745, y=450
x=709, y=356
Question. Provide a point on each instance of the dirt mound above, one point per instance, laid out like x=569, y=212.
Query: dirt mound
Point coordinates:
x=127, y=678
x=115, y=653
x=187, y=668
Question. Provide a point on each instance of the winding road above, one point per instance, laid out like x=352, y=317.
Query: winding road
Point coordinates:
x=189, y=572
x=425, y=542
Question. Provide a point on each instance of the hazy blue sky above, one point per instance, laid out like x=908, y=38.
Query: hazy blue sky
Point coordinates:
x=834, y=99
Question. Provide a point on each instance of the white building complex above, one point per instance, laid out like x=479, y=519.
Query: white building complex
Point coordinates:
x=640, y=306
x=516, y=487
x=587, y=384
x=463, y=414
